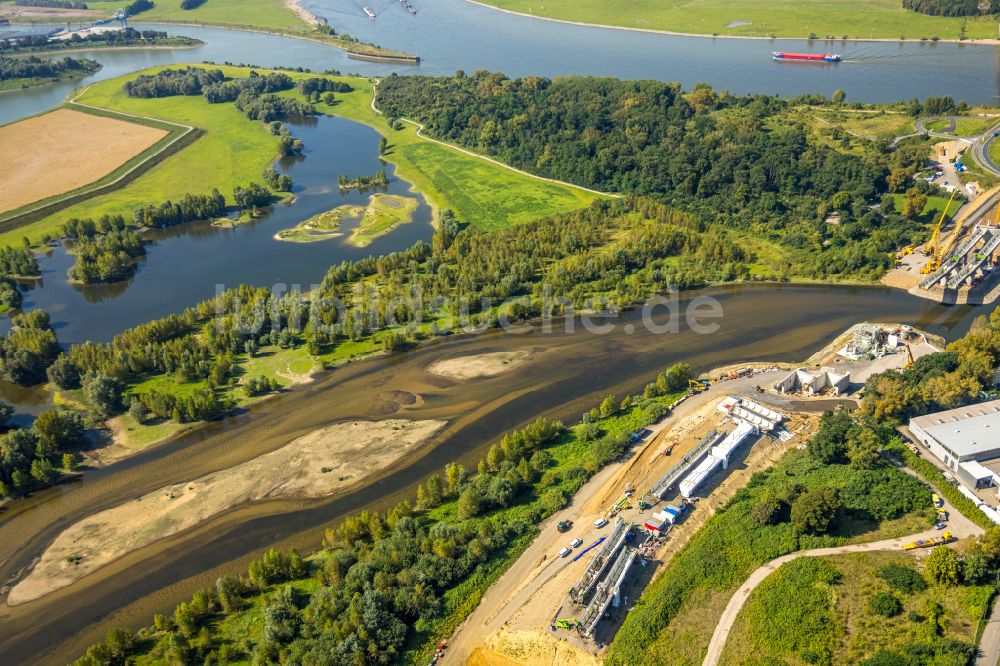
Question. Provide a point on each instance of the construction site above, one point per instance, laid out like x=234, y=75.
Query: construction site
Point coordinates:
x=958, y=264
x=564, y=605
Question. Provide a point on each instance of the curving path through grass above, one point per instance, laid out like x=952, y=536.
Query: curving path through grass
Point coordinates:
x=958, y=525
x=451, y=146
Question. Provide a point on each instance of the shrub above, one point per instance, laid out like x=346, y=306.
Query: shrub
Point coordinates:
x=902, y=578
x=815, y=510
x=885, y=604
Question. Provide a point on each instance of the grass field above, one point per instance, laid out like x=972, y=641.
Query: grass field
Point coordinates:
x=963, y=126
x=384, y=213
x=855, y=19
x=932, y=209
x=832, y=619
x=487, y=195
x=62, y=150
x=272, y=14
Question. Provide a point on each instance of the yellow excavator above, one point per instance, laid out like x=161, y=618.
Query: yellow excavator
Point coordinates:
x=909, y=358
x=933, y=248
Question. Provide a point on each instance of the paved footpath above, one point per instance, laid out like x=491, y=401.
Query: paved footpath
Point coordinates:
x=958, y=525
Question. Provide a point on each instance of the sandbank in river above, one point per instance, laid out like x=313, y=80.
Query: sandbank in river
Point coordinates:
x=311, y=466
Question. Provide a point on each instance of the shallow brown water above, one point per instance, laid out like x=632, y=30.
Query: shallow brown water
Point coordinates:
x=571, y=374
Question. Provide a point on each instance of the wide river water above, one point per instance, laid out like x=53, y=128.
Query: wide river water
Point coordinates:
x=570, y=373
x=455, y=34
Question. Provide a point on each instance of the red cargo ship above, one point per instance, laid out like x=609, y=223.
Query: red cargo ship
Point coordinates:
x=809, y=57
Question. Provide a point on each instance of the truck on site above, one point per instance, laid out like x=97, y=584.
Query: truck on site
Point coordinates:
x=938, y=502
x=930, y=543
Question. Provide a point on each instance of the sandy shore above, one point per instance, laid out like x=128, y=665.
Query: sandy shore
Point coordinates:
x=312, y=466
x=302, y=12
x=464, y=368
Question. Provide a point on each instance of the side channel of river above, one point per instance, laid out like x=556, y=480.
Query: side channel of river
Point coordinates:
x=570, y=372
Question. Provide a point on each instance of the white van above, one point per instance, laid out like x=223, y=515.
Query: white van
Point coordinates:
x=564, y=552
x=600, y=522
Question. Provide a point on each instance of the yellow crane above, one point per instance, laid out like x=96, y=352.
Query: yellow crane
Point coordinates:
x=933, y=247
x=909, y=358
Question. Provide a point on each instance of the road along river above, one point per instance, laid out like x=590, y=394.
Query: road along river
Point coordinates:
x=568, y=373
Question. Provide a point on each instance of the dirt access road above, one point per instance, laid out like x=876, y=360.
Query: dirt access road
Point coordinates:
x=539, y=563
x=958, y=525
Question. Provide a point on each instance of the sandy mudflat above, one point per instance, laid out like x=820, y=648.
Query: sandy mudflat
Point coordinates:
x=347, y=451
x=63, y=150
x=480, y=365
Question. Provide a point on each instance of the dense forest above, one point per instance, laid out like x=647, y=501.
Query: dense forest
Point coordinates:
x=952, y=7
x=741, y=162
x=33, y=67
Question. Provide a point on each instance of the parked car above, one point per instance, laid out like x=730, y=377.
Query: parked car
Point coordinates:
x=564, y=552
x=600, y=522
x=575, y=542
x=939, y=526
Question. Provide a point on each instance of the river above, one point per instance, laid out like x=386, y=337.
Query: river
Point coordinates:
x=571, y=373
x=455, y=34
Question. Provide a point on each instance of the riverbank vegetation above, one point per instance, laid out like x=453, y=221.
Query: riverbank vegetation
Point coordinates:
x=848, y=19
x=33, y=71
x=431, y=558
x=906, y=614
x=324, y=226
x=128, y=37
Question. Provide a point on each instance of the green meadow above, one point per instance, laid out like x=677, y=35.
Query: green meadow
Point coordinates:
x=855, y=19
x=234, y=150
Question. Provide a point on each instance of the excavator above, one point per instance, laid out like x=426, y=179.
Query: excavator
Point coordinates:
x=933, y=248
x=697, y=387
x=909, y=358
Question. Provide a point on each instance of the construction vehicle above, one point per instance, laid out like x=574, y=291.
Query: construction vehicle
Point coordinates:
x=566, y=623
x=933, y=247
x=938, y=502
x=697, y=387
x=930, y=543
x=909, y=358
x=564, y=525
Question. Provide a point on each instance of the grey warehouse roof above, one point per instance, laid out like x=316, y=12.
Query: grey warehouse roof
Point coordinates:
x=965, y=431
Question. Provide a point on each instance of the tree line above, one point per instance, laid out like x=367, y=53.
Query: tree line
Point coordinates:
x=33, y=67
x=951, y=7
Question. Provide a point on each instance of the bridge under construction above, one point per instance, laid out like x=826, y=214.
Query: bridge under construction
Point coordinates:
x=962, y=268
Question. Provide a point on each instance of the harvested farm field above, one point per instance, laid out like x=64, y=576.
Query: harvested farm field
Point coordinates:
x=60, y=151
x=314, y=465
